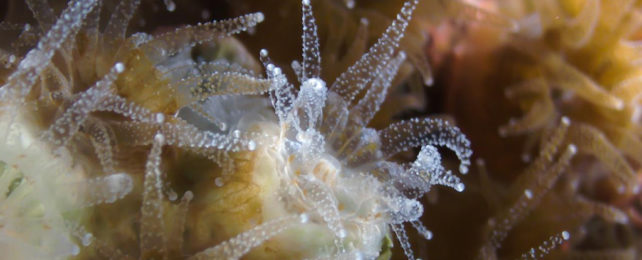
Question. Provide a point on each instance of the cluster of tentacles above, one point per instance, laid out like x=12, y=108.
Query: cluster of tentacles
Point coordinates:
x=77, y=95
x=101, y=132
x=572, y=69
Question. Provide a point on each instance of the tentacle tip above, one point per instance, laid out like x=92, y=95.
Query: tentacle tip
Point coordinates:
x=350, y=4
x=251, y=145
x=364, y=21
x=618, y=104
x=263, y=53
x=572, y=149
x=304, y=218
x=565, y=121
x=119, y=67
x=402, y=55
x=429, y=81
x=260, y=17
x=463, y=168
x=159, y=138
x=566, y=235
x=188, y=195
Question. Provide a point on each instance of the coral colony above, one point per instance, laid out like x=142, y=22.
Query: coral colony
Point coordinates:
x=574, y=74
x=83, y=106
x=117, y=145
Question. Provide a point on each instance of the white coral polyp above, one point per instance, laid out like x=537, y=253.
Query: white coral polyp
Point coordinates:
x=328, y=165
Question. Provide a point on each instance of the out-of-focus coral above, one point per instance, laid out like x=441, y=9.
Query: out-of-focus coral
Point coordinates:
x=568, y=65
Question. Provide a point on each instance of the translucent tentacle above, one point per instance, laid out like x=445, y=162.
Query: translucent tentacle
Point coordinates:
x=428, y=166
x=311, y=53
x=120, y=105
x=152, y=226
x=401, y=235
x=590, y=140
x=199, y=109
x=92, y=23
x=368, y=106
x=80, y=233
x=324, y=203
x=364, y=150
x=582, y=27
x=608, y=212
x=175, y=237
x=416, y=132
x=21, y=81
x=100, y=190
x=357, y=47
x=119, y=20
x=532, y=185
x=86, y=64
x=538, y=185
x=171, y=43
x=184, y=135
x=67, y=125
x=540, y=112
x=283, y=94
x=225, y=83
x=241, y=244
x=570, y=78
x=42, y=12
x=307, y=110
x=545, y=248
x=335, y=118
x=101, y=139
x=628, y=90
x=28, y=37
x=423, y=231
x=351, y=82
x=549, y=148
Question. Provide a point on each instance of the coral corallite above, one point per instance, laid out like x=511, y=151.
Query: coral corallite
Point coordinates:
x=102, y=131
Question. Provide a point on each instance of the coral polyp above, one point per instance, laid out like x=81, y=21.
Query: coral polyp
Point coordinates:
x=131, y=122
x=326, y=150
x=564, y=98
